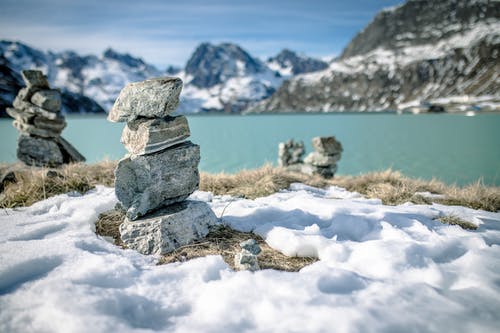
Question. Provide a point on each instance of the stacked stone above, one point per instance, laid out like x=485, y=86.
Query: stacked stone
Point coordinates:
x=290, y=153
x=154, y=180
x=323, y=160
x=38, y=118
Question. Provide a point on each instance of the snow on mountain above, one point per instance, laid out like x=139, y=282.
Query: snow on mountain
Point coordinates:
x=380, y=269
x=225, y=78
x=417, y=53
x=220, y=77
x=289, y=63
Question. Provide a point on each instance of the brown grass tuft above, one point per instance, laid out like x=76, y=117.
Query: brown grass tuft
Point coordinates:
x=35, y=184
x=255, y=183
x=393, y=189
x=455, y=220
x=108, y=225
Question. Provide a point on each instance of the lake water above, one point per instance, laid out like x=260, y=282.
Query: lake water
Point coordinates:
x=452, y=148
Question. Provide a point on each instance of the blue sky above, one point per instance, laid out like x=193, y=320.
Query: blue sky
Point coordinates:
x=166, y=32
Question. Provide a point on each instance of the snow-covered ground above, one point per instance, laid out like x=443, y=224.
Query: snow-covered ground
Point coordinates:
x=381, y=269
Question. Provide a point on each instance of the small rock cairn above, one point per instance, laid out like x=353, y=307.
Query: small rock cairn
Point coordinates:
x=290, y=152
x=153, y=181
x=322, y=161
x=37, y=114
x=246, y=259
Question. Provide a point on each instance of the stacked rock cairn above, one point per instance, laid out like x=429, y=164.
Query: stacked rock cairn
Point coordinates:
x=322, y=161
x=37, y=114
x=290, y=152
x=154, y=180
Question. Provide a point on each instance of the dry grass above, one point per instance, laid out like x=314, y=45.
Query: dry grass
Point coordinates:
x=222, y=240
x=255, y=183
x=35, y=184
x=390, y=186
x=455, y=220
x=225, y=241
x=108, y=225
x=393, y=189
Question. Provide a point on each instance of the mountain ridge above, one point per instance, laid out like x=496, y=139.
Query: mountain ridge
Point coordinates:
x=221, y=77
x=457, y=69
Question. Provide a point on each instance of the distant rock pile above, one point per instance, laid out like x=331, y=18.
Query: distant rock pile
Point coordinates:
x=37, y=114
x=290, y=152
x=322, y=161
x=161, y=170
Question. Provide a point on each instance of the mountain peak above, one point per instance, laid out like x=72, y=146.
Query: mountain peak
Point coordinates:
x=125, y=58
x=213, y=64
x=418, y=22
x=288, y=62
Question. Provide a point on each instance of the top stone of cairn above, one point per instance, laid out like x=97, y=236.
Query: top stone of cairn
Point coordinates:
x=152, y=98
x=35, y=78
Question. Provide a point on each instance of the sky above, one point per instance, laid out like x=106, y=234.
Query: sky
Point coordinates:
x=167, y=32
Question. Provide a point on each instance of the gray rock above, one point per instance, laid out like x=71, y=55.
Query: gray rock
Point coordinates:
x=245, y=260
x=56, y=125
x=146, y=136
x=38, y=151
x=251, y=246
x=33, y=109
x=327, y=145
x=35, y=78
x=19, y=115
x=154, y=98
x=168, y=228
x=49, y=100
x=7, y=177
x=321, y=160
x=146, y=182
x=33, y=130
x=25, y=93
x=70, y=154
x=326, y=172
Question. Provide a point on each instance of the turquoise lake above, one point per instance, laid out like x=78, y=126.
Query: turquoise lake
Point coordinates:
x=451, y=148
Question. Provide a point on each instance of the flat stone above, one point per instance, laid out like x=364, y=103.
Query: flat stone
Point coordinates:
x=146, y=135
x=70, y=154
x=35, y=78
x=33, y=109
x=144, y=183
x=25, y=93
x=33, y=130
x=168, y=228
x=251, y=246
x=154, y=98
x=38, y=152
x=20, y=116
x=56, y=125
x=49, y=100
x=321, y=160
x=327, y=145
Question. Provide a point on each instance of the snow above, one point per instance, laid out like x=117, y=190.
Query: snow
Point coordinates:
x=381, y=269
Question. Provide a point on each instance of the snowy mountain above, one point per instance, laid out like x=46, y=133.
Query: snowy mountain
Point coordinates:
x=220, y=77
x=289, y=63
x=88, y=83
x=226, y=78
x=418, y=54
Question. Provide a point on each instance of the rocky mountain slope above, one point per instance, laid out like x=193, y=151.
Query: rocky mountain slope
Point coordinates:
x=419, y=54
x=289, y=63
x=220, y=77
